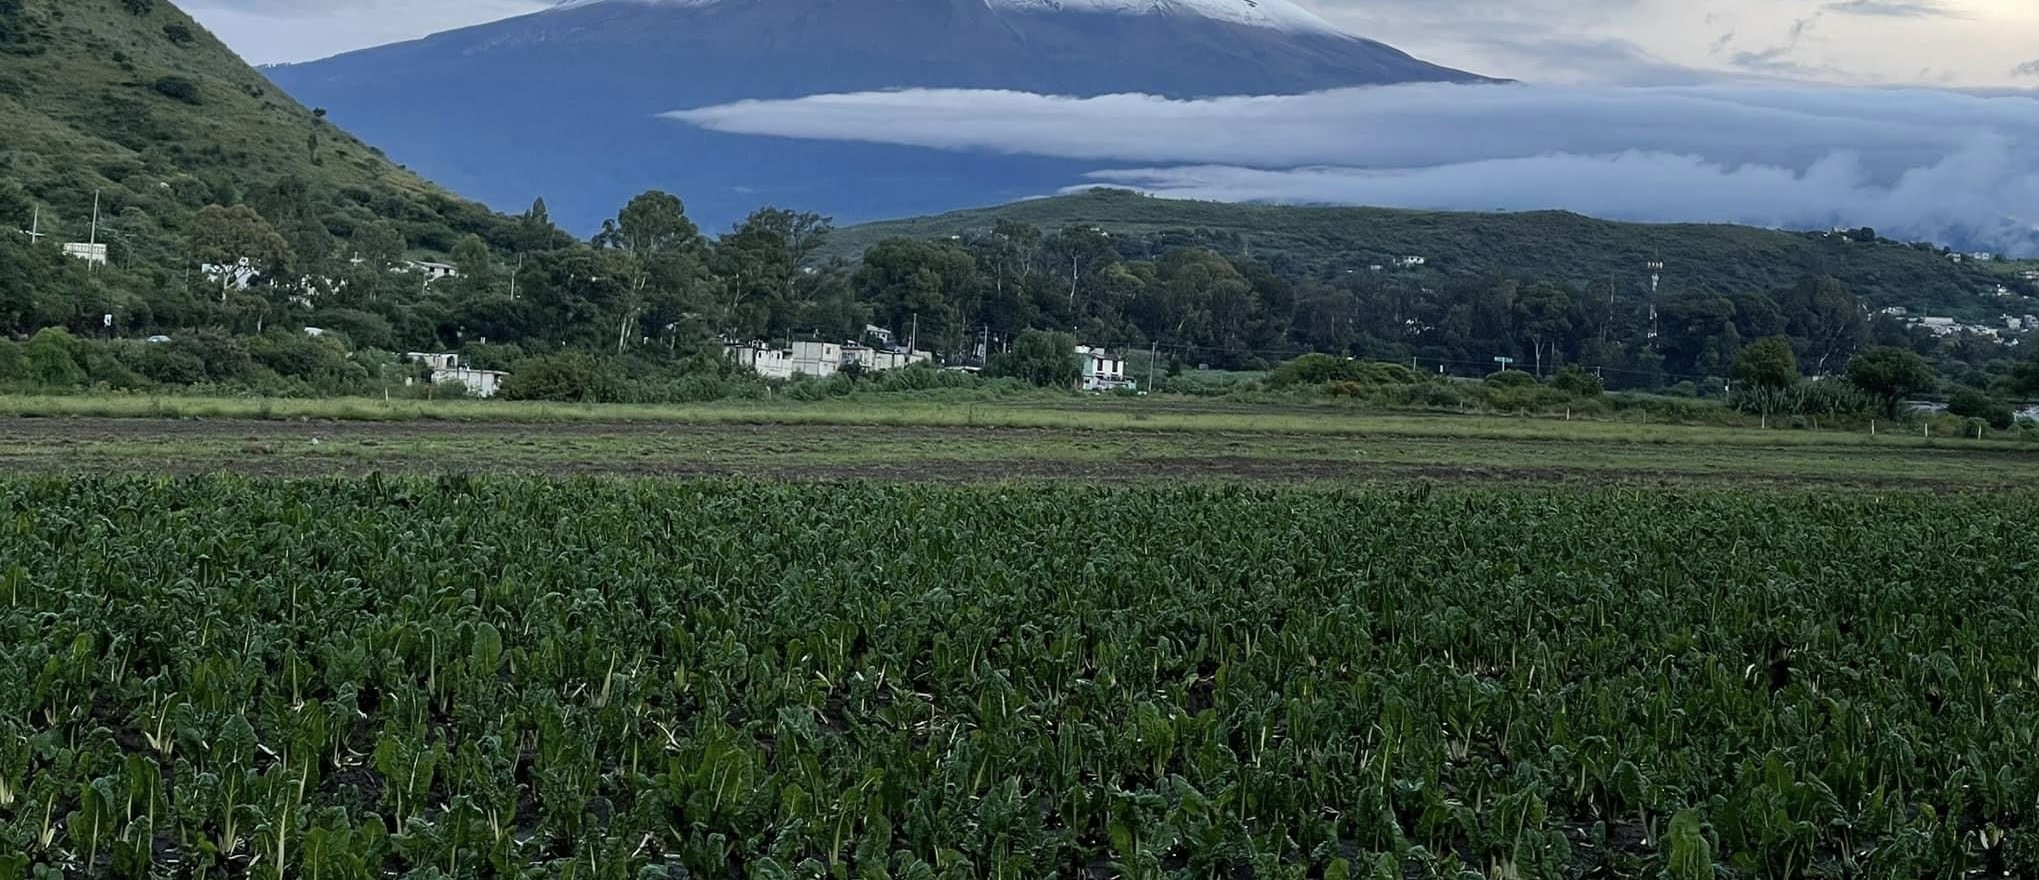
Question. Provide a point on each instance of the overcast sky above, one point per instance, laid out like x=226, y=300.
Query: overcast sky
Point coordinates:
x=1971, y=43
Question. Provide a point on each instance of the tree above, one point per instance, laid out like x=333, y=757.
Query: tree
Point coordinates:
x=2025, y=378
x=1969, y=403
x=1544, y=314
x=379, y=244
x=534, y=231
x=763, y=261
x=1574, y=380
x=11, y=29
x=1890, y=375
x=568, y=377
x=1825, y=321
x=1048, y=360
x=52, y=357
x=1767, y=363
x=225, y=237
x=663, y=248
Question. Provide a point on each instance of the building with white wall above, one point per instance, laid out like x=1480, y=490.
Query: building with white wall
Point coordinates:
x=1103, y=370
x=818, y=359
x=435, y=361
x=90, y=253
x=480, y=383
x=762, y=359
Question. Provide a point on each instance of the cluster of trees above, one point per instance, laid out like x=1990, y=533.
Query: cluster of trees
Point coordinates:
x=653, y=287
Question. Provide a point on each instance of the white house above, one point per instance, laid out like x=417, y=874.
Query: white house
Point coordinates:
x=878, y=360
x=1411, y=262
x=818, y=359
x=90, y=253
x=762, y=359
x=1103, y=370
x=433, y=361
x=433, y=271
x=480, y=383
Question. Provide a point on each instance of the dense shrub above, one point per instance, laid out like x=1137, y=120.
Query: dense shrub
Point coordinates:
x=1511, y=379
x=52, y=359
x=1969, y=403
x=178, y=88
x=1046, y=360
x=571, y=377
x=1574, y=380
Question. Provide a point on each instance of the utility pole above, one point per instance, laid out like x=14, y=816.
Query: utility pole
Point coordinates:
x=34, y=230
x=1152, y=359
x=1656, y=268
x=913, y=339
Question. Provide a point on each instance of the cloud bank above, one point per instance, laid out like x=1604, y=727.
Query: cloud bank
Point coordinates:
x=1944, y=166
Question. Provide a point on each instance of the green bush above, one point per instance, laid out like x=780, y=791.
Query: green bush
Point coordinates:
x=567, y=377
x=169, y=366
x=178, y=88
x=1574, y=380
x=1970, y=403
x=53, y=359
x=1046, y=360
x=1511, y=379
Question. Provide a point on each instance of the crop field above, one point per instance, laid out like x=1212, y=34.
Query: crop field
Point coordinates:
x=632, y=679
x=1438, y=449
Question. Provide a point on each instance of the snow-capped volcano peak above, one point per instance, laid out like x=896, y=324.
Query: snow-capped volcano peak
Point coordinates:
x=1277, y=14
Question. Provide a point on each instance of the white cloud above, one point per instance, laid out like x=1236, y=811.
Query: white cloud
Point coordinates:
x=1926, y=164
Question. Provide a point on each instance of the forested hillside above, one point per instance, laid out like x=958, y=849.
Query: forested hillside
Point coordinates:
x=1321, y=242
x=133, y=102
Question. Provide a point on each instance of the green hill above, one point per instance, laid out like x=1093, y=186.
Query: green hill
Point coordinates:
x=1555, y=246
x=135, y=101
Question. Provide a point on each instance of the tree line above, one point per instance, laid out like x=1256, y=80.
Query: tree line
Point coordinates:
x=652, y=286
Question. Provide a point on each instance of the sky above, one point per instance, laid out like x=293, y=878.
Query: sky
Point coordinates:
x=1917, y=117
x=1946, y=43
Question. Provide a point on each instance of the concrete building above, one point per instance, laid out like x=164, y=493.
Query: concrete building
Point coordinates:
x=90, y=253
x=433, y=271
x=818, y=359
x=433, y=361
x=1103, y=370
x=878, y=360
x=480, y=383
x=766, y=361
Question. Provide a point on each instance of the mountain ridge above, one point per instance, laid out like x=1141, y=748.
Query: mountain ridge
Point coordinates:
x=1327, y=242
x=565, y=103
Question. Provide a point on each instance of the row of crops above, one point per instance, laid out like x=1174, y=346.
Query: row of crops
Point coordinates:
x=533, y=678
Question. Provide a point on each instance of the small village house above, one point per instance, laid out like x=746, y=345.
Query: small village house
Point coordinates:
x=1103, y=370
x=762, y=359
x=480, y=383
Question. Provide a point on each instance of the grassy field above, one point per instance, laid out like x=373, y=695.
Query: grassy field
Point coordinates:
x=1072, y=439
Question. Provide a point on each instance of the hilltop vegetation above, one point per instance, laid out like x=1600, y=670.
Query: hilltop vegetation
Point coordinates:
x=135, y=102
x=1321, y=242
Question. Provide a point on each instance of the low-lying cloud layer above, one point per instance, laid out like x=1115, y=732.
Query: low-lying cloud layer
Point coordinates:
x=1944, y=166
